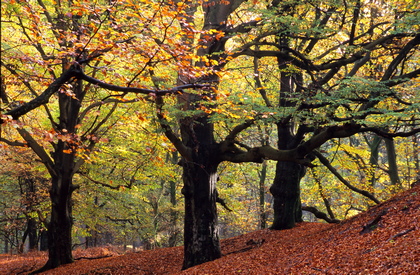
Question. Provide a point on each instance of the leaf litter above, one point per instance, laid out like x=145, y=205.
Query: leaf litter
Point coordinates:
x=383, y=240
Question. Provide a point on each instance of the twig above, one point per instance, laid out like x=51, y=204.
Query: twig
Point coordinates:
x=401, y=233
x=92, y=258
x=251, y=245
x=373, y=224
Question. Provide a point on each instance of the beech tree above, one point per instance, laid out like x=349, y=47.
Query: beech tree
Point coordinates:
x=336, y=71
x=55, y=43
x=66, y=155
x=324, y=86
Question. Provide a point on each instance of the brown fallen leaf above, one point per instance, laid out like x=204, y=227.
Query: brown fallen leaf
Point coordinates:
x=310, y=248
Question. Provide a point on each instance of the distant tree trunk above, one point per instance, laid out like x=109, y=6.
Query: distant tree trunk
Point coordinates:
x=92, y=240
x=324, y=198
x=43, y=240
x=374, y=156
x=416, y=151
x=32, y=234
x=392, y=162
x=263, y=214
x=173, y=238
x=6, y=246
x=28, y=187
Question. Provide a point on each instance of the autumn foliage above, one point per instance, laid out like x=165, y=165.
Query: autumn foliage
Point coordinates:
x=383, y=240
x=116, y=98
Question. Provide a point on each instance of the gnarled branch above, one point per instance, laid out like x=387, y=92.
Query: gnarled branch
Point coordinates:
x=176, y=141
x=319, y=214
x=327, y=164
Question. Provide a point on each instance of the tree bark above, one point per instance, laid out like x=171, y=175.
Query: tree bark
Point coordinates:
x=374, y=156
x=31, y=234
x=392, y=162
x=61, y=221
x=174, y=232
x=201, y=238
x=28, y=183
x=263, y=214
x=43, y=240
x=286, y=194
x=60, y=225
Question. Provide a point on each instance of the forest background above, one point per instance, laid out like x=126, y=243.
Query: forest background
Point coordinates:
x=320, y=97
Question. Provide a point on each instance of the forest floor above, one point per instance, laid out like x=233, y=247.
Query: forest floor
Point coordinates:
x=383, y=240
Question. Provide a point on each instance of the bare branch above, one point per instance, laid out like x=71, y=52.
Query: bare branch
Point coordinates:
x=39, y=150
x=176, y=141
x=15, y=73
x=242, y=28
x=175, y=90
x=44, y=97
x=27, y=85
x=402, y=78
x=76, y=71
x=319, y=214
x=385, y=134
x=259, y=85
x=13, y=143
x=100, y=103
x=327, y=164
x=401, y=56
x=115, y=187
x=232, y=153
x=239, y=128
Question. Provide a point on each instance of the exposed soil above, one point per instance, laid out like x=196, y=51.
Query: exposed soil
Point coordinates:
x=383, y=240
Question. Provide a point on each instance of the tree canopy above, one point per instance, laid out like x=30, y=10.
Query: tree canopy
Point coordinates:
x=111, y=96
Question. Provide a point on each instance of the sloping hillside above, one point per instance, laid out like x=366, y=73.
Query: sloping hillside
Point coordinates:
x=383, y=240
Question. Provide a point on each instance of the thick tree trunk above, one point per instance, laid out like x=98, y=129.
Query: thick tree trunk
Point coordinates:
x=61, y=221
x=286, y=194
x=286, y=186
x=60, y=225
x=201, y=238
